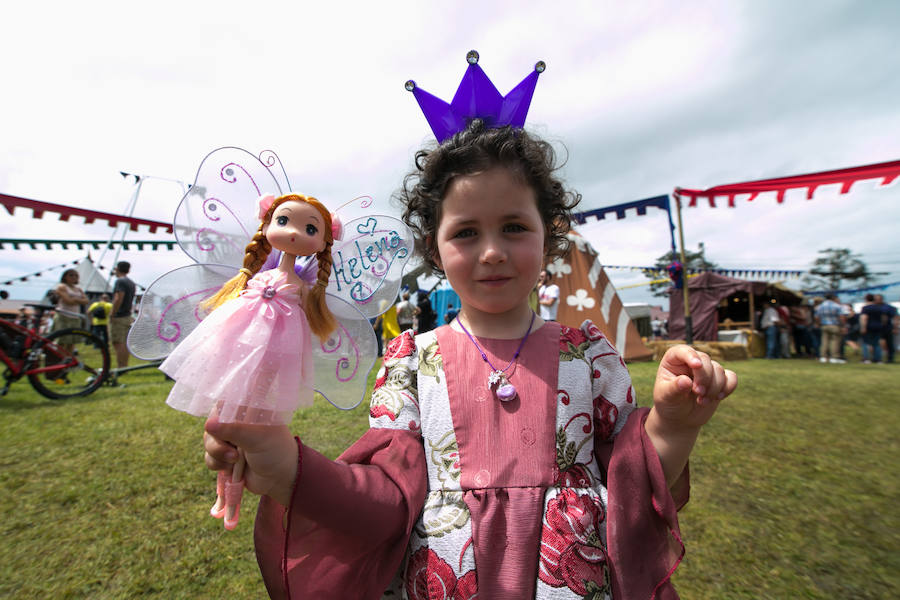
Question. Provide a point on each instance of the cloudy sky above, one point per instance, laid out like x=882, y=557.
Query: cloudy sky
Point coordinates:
x=640, y=96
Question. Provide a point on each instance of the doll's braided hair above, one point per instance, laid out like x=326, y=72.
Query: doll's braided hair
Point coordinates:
x=321, y=321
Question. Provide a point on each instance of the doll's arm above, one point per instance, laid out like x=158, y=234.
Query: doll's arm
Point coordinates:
x=689, y=386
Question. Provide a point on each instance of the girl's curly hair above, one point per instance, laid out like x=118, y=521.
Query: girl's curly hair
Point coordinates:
x=475, y=149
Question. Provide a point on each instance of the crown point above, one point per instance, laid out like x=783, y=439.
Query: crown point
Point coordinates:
x=410, y=85
x=540, y=66
x=472, y=57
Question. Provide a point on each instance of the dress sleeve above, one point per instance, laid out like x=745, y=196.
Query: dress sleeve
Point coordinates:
x=643, y=538
x=348, y=525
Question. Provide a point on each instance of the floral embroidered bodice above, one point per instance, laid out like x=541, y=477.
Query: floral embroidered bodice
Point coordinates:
x=514, y=489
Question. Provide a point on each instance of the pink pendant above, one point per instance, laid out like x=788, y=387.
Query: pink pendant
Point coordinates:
x=506, y=392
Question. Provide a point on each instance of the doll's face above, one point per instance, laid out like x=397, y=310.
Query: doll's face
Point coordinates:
x=296, y=228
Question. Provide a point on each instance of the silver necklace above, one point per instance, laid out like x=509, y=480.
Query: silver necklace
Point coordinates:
x=505, y=390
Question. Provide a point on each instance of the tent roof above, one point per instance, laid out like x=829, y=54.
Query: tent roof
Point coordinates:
x=91, y=280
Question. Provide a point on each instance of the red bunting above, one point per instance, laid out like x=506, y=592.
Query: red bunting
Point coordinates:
x=65, y=212
x=887, y=172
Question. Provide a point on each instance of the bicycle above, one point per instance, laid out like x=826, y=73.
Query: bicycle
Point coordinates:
x=53, y=371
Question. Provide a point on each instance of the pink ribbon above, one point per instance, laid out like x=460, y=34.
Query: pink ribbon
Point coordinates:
x=271, y=296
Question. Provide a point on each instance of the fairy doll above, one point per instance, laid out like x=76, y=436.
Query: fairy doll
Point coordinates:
x=250, y=360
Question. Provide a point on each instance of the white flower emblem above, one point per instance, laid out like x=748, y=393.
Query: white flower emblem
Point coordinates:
x=559, y=267
x=581, y=300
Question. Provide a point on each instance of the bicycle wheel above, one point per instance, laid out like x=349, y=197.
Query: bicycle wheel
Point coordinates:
x=66, y=374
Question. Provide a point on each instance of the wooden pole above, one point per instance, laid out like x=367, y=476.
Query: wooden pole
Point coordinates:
x=688, y=325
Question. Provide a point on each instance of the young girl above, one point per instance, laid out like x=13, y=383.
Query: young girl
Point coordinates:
x=506, y=455
x=249, y=361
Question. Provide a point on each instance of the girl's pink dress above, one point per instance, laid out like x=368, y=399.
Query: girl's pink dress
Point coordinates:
x=249, y=359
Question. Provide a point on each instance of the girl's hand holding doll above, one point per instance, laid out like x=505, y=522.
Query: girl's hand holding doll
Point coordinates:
x=270, y=452
x=689, y=386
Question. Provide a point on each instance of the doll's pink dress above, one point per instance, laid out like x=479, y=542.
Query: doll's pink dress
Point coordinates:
x=250, y=359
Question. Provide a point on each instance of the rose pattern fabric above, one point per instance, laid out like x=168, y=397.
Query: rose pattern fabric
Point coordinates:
x=429, y=577
x=594, y=397
x=572, y=344
x=445, y=455
x=399, y=348
x=572, y=552
x=395, y=383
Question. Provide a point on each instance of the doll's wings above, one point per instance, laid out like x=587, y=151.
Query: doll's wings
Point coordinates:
x=219, y=214
x=170, y=311
x=170, y=308
x=368, y=261
x=342, y=363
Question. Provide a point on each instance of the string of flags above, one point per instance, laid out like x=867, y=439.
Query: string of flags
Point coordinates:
x=70, y=263
x=81, y=244
x=663, y=271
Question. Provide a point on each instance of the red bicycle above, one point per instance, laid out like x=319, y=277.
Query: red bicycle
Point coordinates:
x=63, y=364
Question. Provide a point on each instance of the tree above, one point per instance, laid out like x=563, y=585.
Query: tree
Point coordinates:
x=695, y=261
x=837, y=266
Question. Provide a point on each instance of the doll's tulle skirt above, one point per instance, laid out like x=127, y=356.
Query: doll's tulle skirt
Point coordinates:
x=243, y=363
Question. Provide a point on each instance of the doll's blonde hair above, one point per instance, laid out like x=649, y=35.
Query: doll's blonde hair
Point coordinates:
x=321, y=321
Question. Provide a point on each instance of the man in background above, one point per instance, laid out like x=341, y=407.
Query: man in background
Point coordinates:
x=891, y=322
x=120, y=322
x=831, y=317
x=548, y=297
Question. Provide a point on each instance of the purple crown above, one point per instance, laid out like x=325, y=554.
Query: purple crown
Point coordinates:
x=477, y=97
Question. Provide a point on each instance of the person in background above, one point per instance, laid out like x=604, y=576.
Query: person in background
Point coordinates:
x=548, y=296
x=891, y=324
x=852, y=337
x=427, y=316
x=800, y=316
x=871, y=327
x=769, y=324
x=785, y=329
x=68, y=307
x=120, y=322
x=815, y=331
x=99, y=312
x=406, y=312
x=378, y=326
x=831, y=317
x=24, y=319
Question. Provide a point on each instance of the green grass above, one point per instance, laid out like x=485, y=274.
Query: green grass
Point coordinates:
x=794, y=491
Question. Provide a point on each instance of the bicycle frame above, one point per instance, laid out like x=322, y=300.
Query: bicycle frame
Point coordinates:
x=18, y=366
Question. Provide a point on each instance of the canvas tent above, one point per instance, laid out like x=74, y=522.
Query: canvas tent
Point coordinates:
x=90, y=279
x=585, y=292
x=707, y=291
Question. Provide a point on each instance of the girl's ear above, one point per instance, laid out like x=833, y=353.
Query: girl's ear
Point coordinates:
x=264, y=229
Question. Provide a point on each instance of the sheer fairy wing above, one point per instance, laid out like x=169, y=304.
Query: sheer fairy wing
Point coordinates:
x=219, y=214
x=342, y=363
x=170, y=309
x=368, y=262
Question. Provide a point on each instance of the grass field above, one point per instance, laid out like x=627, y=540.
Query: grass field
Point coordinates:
x=795, y=490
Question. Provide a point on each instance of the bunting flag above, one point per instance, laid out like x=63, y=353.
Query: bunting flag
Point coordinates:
x=66, y=212
x=640, y=206
x=663, y=272
x=80, y=244
x=887, y=172
x=873, y=288
x=71, y=263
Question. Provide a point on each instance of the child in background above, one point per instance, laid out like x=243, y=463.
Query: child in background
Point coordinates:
x=506, y=456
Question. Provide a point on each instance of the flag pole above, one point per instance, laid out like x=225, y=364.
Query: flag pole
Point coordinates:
x=688, y=325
